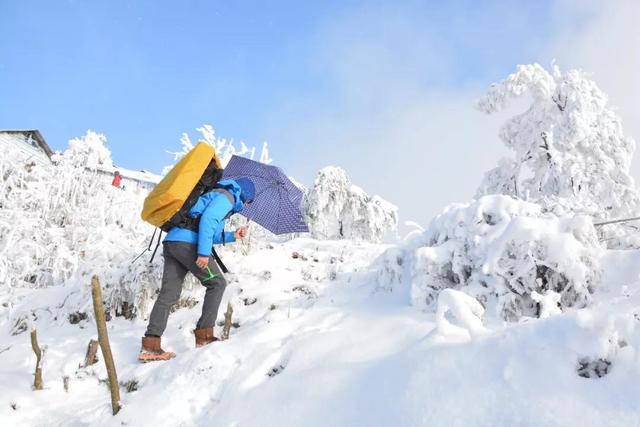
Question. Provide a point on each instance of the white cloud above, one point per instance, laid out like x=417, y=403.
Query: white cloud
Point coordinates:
x=397, y=133
x=400, y=128
x=602, y=37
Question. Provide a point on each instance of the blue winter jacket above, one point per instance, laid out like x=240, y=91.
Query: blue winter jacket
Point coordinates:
x=213, y=208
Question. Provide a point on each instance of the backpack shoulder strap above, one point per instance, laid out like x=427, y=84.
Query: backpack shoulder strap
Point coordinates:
x=232, y=200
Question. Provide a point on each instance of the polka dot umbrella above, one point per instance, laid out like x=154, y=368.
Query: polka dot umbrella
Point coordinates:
x=276, y=206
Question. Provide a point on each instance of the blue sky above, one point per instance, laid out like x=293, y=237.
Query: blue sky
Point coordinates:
x=322, y=82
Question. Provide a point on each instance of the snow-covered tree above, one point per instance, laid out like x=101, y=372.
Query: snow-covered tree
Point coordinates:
x=224, y=147
x=527, y=246
x=569, y=151
x=336, y=209
x=63, y=222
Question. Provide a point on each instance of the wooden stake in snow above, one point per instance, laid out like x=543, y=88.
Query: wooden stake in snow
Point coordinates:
x=37, y=382
x=103, y=338
x=92, y=350
x=227, y=322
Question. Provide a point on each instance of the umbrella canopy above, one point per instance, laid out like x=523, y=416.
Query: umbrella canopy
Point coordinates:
x=276, y=206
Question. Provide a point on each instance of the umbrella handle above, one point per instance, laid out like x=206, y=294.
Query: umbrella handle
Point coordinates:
x=248, y=234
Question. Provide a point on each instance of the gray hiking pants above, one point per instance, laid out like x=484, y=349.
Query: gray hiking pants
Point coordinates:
x=180, y=258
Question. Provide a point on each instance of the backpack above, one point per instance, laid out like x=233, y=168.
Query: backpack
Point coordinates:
x=170, y=201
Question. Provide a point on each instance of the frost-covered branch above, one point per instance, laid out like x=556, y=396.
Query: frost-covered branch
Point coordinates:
x=225, y=148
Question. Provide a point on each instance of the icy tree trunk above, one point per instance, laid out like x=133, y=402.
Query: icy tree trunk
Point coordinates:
x=227, y=322
x=37, y=382
x=103, y=338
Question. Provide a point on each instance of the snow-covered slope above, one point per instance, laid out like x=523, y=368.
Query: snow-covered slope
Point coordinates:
x=318, y=344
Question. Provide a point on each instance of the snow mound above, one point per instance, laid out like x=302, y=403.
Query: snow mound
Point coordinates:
x=467, y=311
x=505, y=252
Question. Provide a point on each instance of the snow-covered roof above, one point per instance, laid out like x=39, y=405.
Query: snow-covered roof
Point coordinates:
x=33, y=133
x=140, y=175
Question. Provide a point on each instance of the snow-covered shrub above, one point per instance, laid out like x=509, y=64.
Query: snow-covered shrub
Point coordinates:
x=336, y=209
x=63, y=222
x=570, y=154
x=509, y=254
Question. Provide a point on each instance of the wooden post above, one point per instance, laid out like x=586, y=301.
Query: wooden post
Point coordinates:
x=92, y=350
x=37, y=382
x=103, y=338
x=227, y=322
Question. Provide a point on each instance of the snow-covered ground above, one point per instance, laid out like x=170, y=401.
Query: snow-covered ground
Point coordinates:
x=322, y=345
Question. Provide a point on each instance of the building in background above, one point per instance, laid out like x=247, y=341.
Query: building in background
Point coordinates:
x=25, y=145
x=130, y=179
x=30, y=147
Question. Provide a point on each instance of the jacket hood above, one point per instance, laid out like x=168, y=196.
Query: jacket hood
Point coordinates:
x=232, y=187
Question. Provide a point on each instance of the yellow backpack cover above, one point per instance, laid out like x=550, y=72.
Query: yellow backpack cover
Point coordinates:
x=170, y=194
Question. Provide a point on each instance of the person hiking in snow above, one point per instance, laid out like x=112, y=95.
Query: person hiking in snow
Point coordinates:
x=117, y=179
x=186, y=251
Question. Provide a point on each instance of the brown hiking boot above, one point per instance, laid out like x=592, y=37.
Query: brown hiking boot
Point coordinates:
x=151, y=350
x=204, y=336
